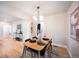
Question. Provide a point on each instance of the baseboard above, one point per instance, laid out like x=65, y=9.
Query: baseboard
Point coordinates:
x=63, y=47
x=59, y=45
x=69, y=52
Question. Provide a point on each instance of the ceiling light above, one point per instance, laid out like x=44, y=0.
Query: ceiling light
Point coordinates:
x=38, y=17
x=35, y=18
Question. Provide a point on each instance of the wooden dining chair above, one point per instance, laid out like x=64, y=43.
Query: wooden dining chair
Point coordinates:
x=25, y=48
x=48, y=48
x=27, y=39
x=34, y=37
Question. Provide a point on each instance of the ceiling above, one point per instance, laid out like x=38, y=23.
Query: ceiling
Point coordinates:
x=27, y=9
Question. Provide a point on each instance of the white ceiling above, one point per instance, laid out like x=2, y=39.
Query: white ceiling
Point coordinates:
x=27, y=9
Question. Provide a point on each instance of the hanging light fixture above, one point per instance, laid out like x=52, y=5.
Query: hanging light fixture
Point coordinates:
x=38, y=17
x=38, y=13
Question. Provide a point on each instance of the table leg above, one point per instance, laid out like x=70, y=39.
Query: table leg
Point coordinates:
x=39, y=54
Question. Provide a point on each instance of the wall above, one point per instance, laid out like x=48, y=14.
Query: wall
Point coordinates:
x=34, y=28
x=72, y=45
x=5, y=29
x=34, y=25
x=1, y=30
x=56, y=27
x=26, y=28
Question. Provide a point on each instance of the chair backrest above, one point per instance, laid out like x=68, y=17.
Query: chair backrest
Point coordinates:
x=34, y=37
x=46, y=38
x=49, y=44
x=27, y=40
x=50, y=41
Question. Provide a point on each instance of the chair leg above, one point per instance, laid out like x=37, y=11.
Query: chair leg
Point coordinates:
x=32, y=54
x=49, y=50
x=49, y=54
x=24, y=52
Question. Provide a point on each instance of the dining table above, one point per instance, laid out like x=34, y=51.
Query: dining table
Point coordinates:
x=36, y=46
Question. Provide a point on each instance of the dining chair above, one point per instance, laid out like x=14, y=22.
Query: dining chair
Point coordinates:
x=35, y=53
x=25, y=48
x=45, y=49
x=48, y=48
x=34, y=37
x=27, y=39
x=29, y=49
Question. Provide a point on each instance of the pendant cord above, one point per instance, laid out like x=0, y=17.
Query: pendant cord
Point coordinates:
x=38, y=14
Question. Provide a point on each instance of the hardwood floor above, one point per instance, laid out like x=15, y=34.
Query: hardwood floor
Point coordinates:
x=63, y=53
x=10, y=48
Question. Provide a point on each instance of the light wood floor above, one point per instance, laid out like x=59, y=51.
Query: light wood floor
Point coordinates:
x=63, y=53
x=10, y=48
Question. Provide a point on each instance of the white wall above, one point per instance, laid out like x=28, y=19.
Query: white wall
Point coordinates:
x=56, y=27
x=1, y=30
x=26, y=28
x=5, y=29
x=72, y=45
x=43, y=28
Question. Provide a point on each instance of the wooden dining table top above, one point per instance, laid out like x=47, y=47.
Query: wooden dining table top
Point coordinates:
x=35, y=45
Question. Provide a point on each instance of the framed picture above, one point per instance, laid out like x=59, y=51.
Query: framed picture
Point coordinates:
x=19, y=26
x=74, y=24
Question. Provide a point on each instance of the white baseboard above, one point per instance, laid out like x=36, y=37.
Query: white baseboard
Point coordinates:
x=69, y=52
x=59, y=45
x=63, y=47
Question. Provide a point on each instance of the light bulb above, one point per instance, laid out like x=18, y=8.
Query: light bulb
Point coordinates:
x=34, y=17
